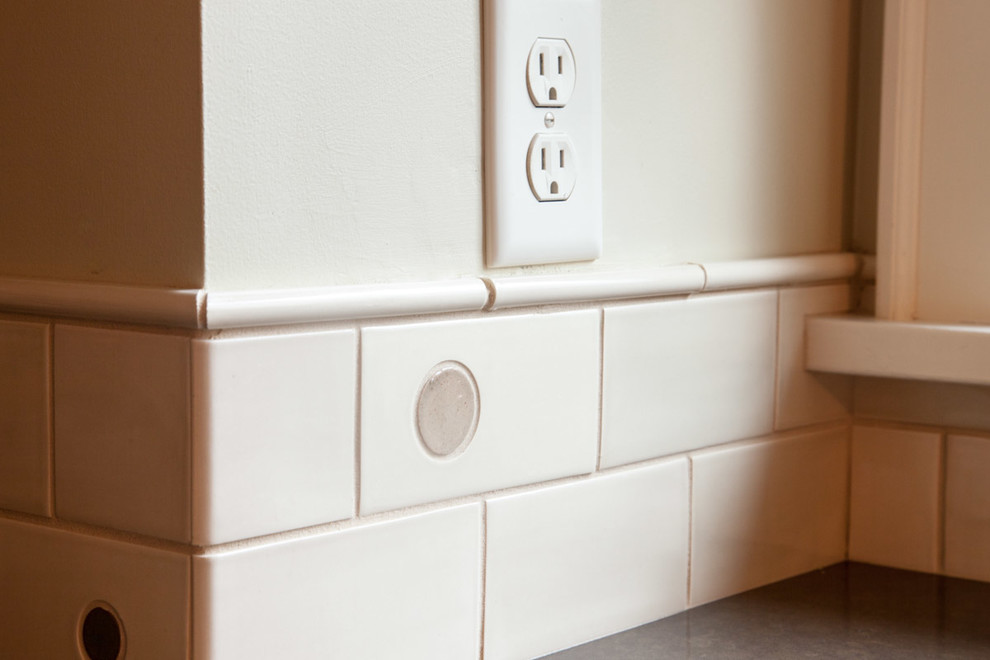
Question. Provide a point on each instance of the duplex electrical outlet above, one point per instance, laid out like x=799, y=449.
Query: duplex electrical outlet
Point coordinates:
x=543, y=172
x=551, y=169
x=550, y=73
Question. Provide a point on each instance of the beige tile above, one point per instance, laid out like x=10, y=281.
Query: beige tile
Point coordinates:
x=679, y=375
x=25, y=434
x=805, y=397
x=51, y=578
x=766, y=510
x=894, y=498
x=273, y=433
x=122, y=448
x=923, y=402
x=570, y=563
x=967, y=508
x=408, y=588
x=537, y=384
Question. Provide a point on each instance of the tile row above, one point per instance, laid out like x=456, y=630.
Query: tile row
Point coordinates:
x=920, y=500
x=518, y=575
x=210, y=440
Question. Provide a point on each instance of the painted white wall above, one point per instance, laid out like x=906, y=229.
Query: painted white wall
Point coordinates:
x=953, y=269
x=342, y=140
x=101, y=141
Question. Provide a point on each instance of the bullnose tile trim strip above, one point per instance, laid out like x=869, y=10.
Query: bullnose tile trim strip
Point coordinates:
x=340, y=303
x=199, y=309
x=107, y=302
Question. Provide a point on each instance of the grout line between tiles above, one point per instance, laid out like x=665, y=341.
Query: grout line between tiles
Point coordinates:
x=190, y=439
x=849, y=486
x=690, y=530
x=484, y=576
x=601, y=386
x=943, y=453
x=471, y=498
x=51, y=419
x=776, y=364
x=357, y=423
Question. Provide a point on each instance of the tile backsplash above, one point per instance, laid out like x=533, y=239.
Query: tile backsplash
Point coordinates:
x=609, y=464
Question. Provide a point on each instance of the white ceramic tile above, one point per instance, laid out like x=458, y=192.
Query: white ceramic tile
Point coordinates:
x=805, y=397
x=24, y=417
x=685, y=374
x=967, y=508
x=408, y=588
x=49, y=578
x=122, y=448
x=273, y=433
x=537, y=379
x=766, y=510
x=569, y=563
x=893, y=513
x=923, y=402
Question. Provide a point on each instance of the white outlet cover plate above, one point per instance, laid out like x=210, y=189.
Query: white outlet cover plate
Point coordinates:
x=520, y=229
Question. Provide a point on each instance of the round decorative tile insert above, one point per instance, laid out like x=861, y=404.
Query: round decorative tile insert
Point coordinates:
x=447, y=409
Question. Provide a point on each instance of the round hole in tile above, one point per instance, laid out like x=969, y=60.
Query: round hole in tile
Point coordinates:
x=447, y=409
x=101, y=633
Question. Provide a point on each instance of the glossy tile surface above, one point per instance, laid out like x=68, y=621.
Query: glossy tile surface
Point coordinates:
x=537, y=378
x=569, y=563
x=273, y=433
x=24, y=417
x=893, y=516
x=805, y=397
x=766, y=510
x=122, y=448
x=408, y=588
x=685, y=374
x=846, y=611
x=967, y=507
x=49, y=578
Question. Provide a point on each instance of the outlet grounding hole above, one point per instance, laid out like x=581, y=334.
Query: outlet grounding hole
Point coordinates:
x=553, y=93
x=102, y=634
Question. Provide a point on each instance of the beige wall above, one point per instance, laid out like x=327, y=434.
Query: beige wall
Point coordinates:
x=101, y=141
x=953, y=269
x=343, y=139
x=340, y=142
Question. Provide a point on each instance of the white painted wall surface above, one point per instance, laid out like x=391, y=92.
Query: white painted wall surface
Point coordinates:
x=342, y=140
x=953, y=269
x=101, y=141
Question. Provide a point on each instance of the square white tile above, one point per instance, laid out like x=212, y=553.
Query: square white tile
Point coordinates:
x=51, y=579
x=765, y=510
x=684, y=374
x=570, y=563
x=894, y=508
x=25, y=429
x=122, y=448
x=805, y=397
x=537, y=397
x=967, y=507
x=408, y=588
x=273, y=433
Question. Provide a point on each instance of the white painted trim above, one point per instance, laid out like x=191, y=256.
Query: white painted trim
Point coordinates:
x=339, y=303
x=779, y=271
x=898, y=200
x=234, y=309
x=864, y=346
x=108, y=302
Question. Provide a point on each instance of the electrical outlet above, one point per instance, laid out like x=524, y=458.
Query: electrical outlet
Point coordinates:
x=551, y=169
x=550, y=73
x=543, y=199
